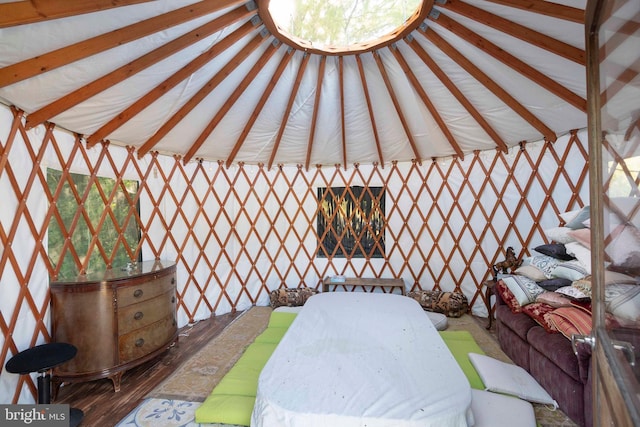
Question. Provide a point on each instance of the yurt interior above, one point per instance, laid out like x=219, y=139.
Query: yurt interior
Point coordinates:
x=279, y=213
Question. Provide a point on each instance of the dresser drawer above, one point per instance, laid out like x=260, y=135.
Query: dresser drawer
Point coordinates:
x=132, y=294
x=145, y=340
x=135, y=316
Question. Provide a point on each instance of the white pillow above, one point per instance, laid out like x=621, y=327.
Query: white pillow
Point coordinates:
x=497, y=410
x=572, y=270
x=569, y=215
x=623, y=301
x=506, y=378
x=524, y=289
x=559, y=235
x=582, y=254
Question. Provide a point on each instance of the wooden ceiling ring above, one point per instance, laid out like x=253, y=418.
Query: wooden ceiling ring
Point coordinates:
x=357, y=48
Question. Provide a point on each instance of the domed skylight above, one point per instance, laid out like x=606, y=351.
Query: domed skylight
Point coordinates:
x=343, y=26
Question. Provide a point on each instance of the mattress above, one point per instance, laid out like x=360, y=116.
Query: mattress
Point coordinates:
x=362, y=359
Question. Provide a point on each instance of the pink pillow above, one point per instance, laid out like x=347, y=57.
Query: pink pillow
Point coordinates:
x=570, y=320
x=554, y=299
x=582, y=235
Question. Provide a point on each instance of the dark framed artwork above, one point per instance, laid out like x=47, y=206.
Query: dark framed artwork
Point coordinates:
x=351, y=222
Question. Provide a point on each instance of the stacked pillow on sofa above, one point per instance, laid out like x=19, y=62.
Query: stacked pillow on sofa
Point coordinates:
x=554, y=285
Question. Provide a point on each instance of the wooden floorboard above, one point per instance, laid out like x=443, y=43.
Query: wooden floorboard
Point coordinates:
x=103, y=407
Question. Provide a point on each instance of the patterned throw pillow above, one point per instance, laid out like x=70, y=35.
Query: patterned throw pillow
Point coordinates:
x=573, y=293
x=531, y=272
x=451, y=304
x=291, y=297
x=508, y=297
x=570, y=320
x=572, y=270
x=524, y=289
x=537, y=312
x=544, y=263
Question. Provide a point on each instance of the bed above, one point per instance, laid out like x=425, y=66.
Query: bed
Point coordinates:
x=362, y=359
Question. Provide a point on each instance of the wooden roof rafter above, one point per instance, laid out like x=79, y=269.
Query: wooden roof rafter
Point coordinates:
x=457, y=93
x=396, y=104
x=244, y=84
x=521, y=32
x=31, y=11
x=426, y=101
x=164, y=87
x=316, y=108
x=66, y=55
x=196, y=99
x=542, y=7
x=511, y=61
x=284, y=61
x=342, y=110
x=287, y=112
x=141, y=63
x=489, y=83
x=365, y=89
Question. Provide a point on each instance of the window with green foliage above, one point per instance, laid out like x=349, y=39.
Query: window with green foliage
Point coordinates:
x=341, y=23
x=100, y=219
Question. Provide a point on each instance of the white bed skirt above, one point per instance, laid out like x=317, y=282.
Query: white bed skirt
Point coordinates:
x=362, y=359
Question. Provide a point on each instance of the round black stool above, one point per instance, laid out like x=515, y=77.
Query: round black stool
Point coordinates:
x=41, y=359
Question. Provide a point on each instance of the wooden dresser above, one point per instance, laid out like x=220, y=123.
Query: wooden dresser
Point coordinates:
x=117, y=319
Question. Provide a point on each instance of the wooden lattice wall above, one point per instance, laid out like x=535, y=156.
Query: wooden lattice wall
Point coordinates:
x=239, y=232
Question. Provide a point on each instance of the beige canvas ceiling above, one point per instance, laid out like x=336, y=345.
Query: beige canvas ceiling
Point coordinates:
x=208, y=80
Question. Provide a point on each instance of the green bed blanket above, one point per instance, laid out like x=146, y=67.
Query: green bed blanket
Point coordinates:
x=232, y=400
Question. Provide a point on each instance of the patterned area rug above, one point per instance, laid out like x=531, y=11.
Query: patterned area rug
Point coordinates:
x=195, y=378
x=173, y=402
x=165, y=413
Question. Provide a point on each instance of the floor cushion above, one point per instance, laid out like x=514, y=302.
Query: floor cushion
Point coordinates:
x=439, y=320
x=461, y=343
x=452, y=304
x=498, y=410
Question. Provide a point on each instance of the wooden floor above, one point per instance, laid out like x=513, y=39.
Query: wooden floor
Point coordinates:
x=103, y=407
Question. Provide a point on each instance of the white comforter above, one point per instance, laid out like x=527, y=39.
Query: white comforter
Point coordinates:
x=362, y=359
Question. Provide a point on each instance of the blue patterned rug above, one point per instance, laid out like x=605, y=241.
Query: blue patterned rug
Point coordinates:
x=165, y=413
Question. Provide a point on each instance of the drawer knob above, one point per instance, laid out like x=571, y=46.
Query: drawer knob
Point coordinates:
x=173, y=300
x=139, y=315
x=139, y=342
x=138, y=293
x=173, y=280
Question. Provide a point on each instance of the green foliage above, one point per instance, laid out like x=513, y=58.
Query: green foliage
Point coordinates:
x=342, y=23
x=118, y=236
